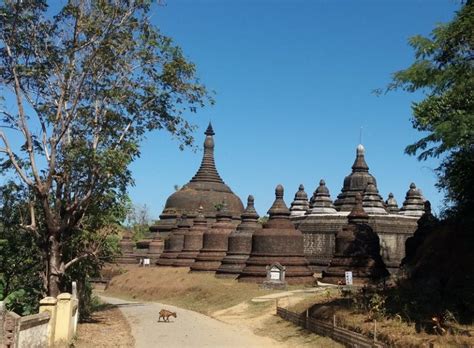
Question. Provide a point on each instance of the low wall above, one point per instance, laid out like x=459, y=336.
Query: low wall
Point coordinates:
x=34, y=330
x=322, y=328
x=54, y=326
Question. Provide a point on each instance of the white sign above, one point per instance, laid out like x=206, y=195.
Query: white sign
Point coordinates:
x=275, y=274
x=349, y=278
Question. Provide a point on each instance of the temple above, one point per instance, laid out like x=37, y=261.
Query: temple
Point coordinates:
x=324, y=218
x=205, y=227
x=206, y=189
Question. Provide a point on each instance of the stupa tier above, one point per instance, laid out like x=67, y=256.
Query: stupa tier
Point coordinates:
x=324, y=219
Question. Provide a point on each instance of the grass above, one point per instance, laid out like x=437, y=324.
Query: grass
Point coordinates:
x=292, y=335
x=391, y=330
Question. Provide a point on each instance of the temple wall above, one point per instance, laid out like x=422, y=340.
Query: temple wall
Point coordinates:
x=319, y=233
x=393, y=231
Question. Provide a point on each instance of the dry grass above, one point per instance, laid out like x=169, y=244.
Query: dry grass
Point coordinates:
x=105, y=323
x=200, y=292
x=292, y=335
x=392, y=331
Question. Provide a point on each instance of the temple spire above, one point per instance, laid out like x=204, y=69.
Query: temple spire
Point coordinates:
x=207, y=171
x=359, y=164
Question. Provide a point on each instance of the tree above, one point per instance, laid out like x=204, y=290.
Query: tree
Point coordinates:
x=83, y=87
x=20, y=257
x=444, y=71
x=138, y=220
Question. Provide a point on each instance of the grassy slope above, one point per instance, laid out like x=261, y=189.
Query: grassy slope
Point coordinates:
x=200, y=292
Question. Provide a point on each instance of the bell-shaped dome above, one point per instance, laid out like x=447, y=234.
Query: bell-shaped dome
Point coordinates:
x=321, y=201
x=414, y=202
x=391, y=203
x=372, y=201
x=300, y=204
x=354, y=183
x=206, y=189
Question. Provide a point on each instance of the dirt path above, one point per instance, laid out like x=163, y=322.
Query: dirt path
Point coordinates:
x=189, y=329
x=105, y=323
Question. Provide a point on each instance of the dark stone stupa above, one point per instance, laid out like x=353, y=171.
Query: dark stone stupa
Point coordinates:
x=175, y=243
x=192, y=242
x=321, y=201
x=354, y=183
x=215, y=243
x=240, y=243
x=300, y=204
x=277, y=242
x=414, y=202
x=206, y=189
x=357, y=250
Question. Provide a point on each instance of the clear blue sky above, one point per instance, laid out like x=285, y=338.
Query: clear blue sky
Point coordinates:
x=293, y=83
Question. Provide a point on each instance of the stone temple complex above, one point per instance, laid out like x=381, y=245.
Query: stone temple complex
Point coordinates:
x=207, y=229
x=324, y=218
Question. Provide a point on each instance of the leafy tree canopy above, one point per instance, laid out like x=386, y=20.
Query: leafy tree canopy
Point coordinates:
x=444, y=71
x=86, y=84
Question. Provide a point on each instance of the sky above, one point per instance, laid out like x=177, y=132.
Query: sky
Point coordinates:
x=294, y=85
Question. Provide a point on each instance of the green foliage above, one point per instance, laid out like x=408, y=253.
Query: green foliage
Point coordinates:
x=138, y=221
x=263, y=219
x=84, y=86
x=21, y=261
x=444, y=71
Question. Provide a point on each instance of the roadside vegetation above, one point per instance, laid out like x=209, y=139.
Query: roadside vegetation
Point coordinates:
x=359, y=310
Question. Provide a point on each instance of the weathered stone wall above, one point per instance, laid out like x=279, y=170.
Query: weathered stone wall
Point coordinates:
x=34, y=331
x=319, y=233
x=393, y=231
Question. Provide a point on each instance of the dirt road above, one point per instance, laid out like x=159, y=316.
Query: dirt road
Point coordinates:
x=189, y=329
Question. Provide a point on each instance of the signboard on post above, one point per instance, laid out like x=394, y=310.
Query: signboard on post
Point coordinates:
x=275, y=273
x=349, y=278
x=275, y=277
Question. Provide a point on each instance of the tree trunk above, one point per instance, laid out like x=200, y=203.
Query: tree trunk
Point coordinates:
x=54, y=267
